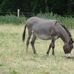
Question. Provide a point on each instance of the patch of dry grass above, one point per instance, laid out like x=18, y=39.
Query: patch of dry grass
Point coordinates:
x=14, y=60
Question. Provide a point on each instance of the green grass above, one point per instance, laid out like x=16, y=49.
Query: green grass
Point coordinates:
x=11, y=19
x=68, y=21
x=15, y=60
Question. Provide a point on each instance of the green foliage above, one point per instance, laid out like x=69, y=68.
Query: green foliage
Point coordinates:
x=11, y=19
x=61, y=7
x=68, y=21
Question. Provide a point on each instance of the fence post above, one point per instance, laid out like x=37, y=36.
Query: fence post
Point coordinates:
x=18, y=12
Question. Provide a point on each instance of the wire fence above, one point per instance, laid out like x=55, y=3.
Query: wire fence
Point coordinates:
x=18, y=13
x=67, y=21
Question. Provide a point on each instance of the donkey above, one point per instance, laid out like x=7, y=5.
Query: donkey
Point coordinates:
x=47, y=30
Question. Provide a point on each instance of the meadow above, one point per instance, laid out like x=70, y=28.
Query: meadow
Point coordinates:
x=13, y=56
x=15, y=60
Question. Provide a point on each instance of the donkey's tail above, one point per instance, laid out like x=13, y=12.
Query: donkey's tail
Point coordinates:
x=23, y=37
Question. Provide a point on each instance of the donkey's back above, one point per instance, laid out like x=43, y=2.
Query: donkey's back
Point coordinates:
x=43, y=28
x=37, y=20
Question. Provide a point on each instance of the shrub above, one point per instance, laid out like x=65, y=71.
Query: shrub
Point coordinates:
x=11, y=19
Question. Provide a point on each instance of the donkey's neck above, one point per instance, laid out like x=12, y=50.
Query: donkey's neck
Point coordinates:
x=65, y=36
x=66, y=39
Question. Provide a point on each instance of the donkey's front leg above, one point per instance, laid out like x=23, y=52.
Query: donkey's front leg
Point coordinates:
x=49, y=48
x=52, y=45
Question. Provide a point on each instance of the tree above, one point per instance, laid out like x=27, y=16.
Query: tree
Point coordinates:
x=61, y=7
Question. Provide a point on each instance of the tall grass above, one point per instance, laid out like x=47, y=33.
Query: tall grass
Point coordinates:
x=11, y=19
x=68, y=21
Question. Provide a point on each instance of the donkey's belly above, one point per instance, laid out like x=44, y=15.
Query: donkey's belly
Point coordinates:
x=44, y=37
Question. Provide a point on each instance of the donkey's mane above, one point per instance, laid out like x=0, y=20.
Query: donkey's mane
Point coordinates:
x=67, y=30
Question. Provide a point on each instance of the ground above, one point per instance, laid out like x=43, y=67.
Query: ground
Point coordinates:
x=15, y=60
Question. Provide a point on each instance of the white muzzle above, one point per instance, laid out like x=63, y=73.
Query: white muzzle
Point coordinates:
x=68, y=55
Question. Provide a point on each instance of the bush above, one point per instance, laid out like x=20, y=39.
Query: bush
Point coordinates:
x=11, y=19
x=68, y=21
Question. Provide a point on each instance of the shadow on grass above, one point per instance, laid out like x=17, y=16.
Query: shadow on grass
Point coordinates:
x=1, y=65
x=71, y=57
x=14, y=72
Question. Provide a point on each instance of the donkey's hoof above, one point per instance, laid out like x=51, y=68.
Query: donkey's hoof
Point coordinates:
x=35, y=53
x=47, y=54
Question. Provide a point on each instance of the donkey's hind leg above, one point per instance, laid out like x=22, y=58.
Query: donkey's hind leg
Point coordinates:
x=28, y=39
x=32, y=43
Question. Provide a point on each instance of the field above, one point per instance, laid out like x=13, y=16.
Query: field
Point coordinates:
x=15, y=60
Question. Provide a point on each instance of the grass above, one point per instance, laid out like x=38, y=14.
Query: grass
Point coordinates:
x=15, y=60
x=68, y=21
x=12, y=19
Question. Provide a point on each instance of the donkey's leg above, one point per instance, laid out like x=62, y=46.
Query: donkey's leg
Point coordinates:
x=32, y=43
x=52, y=45
x=28, y=39
x=49, y=48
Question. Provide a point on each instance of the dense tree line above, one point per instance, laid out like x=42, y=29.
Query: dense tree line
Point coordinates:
x=62, y=7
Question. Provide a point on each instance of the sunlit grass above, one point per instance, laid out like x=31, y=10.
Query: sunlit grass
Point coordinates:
x=15, y=60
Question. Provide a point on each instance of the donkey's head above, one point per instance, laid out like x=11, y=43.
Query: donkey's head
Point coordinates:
x=68, y=46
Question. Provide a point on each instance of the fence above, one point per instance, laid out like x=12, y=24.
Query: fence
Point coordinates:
x=67, y=21
x=18, y=13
